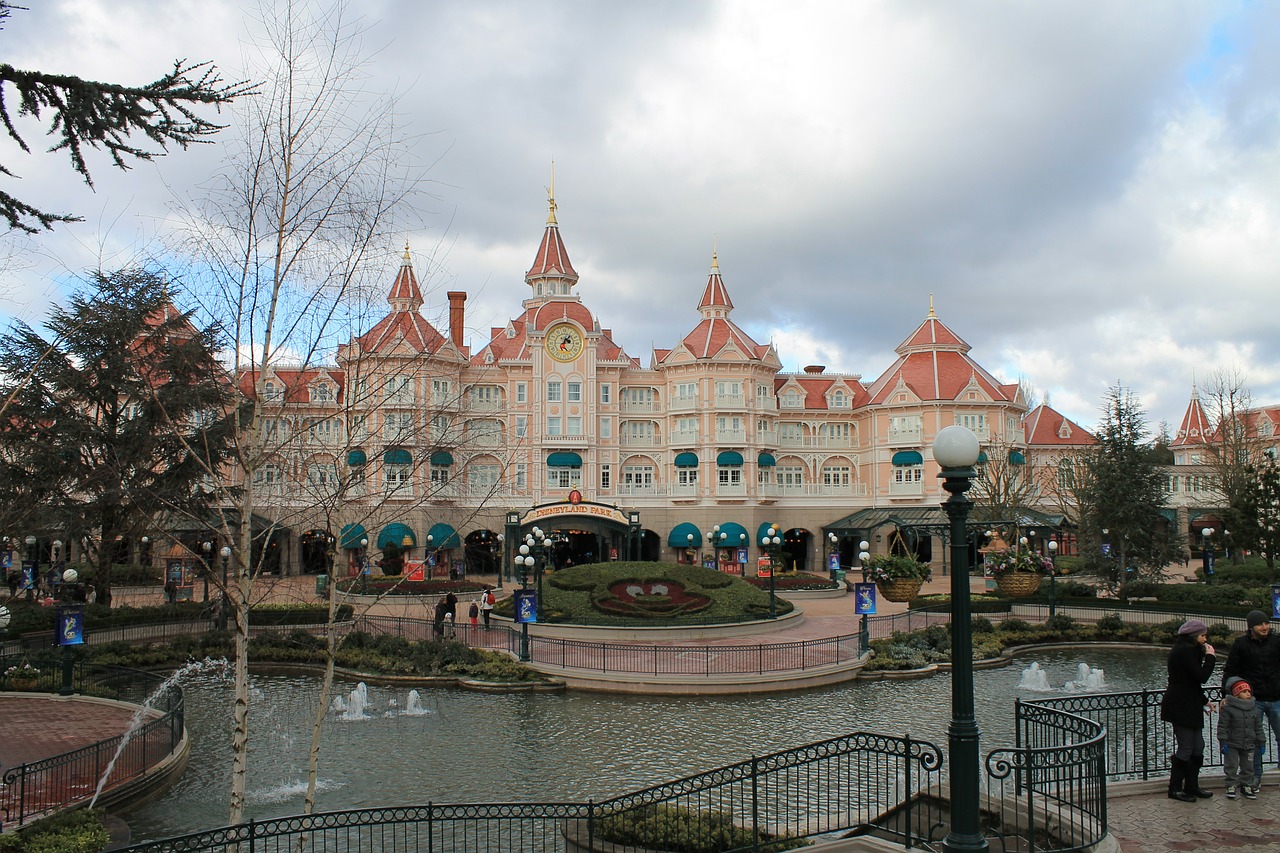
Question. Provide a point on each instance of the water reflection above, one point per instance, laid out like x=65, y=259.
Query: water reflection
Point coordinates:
x=460, y=746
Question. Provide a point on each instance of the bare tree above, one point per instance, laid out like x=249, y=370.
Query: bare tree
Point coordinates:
x=291, y=239
x=1232, y=448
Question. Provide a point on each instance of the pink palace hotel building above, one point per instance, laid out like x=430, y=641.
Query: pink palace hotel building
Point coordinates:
x=454, y=450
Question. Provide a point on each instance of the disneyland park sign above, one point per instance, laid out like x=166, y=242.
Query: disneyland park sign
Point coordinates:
x=602, y=511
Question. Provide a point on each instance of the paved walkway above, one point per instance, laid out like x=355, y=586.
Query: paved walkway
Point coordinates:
x=1144, y=820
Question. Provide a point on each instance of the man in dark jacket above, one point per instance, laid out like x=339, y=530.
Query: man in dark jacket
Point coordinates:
x=1255, y=657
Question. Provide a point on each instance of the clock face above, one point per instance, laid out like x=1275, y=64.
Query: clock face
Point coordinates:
x=564, y=342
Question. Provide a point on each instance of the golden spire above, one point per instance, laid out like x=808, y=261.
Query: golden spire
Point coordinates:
x=932, y=316
x=715, y=255
x=407, y=259
x=551, y=196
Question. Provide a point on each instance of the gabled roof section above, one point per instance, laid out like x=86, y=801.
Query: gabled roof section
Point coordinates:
x=405, y=294
x=934, y=364
x=295, y=382
x=552, y=259
x=1044, y=426
x=716, y=333
x=1194, y=429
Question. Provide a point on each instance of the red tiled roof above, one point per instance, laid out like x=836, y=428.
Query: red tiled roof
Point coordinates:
x=552, y=258
x=296, y=382
x=1195, y=428
x=716, y=331
x=815, y=388
x=1042, y=427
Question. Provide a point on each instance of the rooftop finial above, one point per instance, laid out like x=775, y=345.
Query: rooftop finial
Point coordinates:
x=715, y=254
x=407, y=259
x=551, y=196
x=932, y=316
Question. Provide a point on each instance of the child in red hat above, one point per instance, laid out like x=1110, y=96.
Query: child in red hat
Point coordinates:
x=1240, y=732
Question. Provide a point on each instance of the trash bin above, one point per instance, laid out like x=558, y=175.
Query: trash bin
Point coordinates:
x=322, y=584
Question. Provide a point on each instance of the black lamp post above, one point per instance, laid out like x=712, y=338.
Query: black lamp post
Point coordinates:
x=864, y=628
x=222, y=605
x=772, y=543
x=69, y=619
x=364, y=565
x=1053, y=578
x=207, y=548
x=1206, y=553
x=31, y=562
x=956, y=450
x=525, y=560
x=832, y=565
x=501, y=554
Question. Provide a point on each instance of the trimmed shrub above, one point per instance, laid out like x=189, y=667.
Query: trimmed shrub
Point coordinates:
x=683, y=830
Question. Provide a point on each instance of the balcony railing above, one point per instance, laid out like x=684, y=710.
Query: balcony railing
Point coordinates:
x=640, y=407
x=731, y=436
x=563, y=440
x=731, y=491
x=684, y=436
x=485, y=406
x=641, y=490
x=788, y=440
x=906, y=490
x=767, y=404
x=686, y=490
x=905, y=435
x=638, y=441
x=731, y=401
x=684, y=402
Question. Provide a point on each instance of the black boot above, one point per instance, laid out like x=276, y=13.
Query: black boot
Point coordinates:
x=1192, y=784
x=1177, y=779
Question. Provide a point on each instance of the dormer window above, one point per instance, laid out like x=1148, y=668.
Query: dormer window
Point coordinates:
x=1064, y=431
x=271, y=392
x=322, y=393
x=792, y=399
x=839, y=400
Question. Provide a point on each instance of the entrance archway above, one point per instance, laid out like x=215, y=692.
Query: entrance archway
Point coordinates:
x=581, y=532
x=481, y=553
x=313, y=552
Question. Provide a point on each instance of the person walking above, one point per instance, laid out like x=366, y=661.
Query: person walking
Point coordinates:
x=1240, y=732
x=473, y=613
x=451, y=605
x=1255, y=657
x=437, y=622
x=1191, y=662
x=487, y=600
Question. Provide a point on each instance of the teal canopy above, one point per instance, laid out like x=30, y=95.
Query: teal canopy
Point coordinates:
x=356, y=457
x=398, y=456
x=351, y=536
x=679, y=536
x=564, y=459
x=729, y=459
x=766, y=460
x=442, y=459
x=1016, y=458
x=982, y=458
x=395, y=533
x=763, y=531
x=904, y=458
x=732, y=535
x=443, y=535
x=686, y=460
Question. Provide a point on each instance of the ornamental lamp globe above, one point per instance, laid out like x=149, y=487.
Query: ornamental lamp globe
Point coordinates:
x=956, y=447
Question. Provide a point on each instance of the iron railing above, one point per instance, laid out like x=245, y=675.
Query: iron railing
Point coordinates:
x=1047, y=794
x=29, y=791
x=655, y=659
x=1141, y=743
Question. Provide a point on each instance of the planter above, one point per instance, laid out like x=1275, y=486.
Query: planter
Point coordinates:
x=1018, y=584
x=23, y=683
x=899, y=589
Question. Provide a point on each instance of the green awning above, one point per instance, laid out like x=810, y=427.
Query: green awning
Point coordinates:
x=442, y=459
x=443, y=535
x=686, y=460
x=904, y=458
x=351, y=536
x=1016, y=458
x=729, y=459
x=763, y=531
x=732, y=535
x=357, y=457
x=564, y=459
x=395, y=533
x=679, y=536
x=766, y=460
x=398, y=456
x=982, y=458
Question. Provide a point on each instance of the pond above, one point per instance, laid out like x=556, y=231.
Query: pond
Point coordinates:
x=454, y=745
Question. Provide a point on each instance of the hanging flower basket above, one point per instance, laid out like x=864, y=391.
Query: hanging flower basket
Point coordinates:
x=23, y=683
x=1018, y=584
x=899, y=589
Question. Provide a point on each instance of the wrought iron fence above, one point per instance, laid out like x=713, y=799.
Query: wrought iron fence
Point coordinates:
x=1140, y=743
x=1046, y=794
x=28, y=791
x=636, y=658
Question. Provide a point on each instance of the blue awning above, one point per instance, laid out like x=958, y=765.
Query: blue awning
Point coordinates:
x=351, y=536
x=686, y=460
x=443, y=535
x=396, y=533
x=679, y=536
x=982, y=458
x=398, y=456
x=442, y=459
x=1016, y=458
x=766, y=460
x=729, y=459
x=357, y=457
x=904, y=458
x=564, y=459
x=732, y=535
x=763, y=531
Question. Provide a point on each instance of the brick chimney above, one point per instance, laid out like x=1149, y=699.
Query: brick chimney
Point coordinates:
x=814, y=368
x=456, y=316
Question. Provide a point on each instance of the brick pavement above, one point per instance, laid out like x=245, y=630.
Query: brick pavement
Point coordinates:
x=1144, y=820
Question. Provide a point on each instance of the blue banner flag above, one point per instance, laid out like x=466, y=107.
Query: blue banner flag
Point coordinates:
x=526, y=601
x=864, y=598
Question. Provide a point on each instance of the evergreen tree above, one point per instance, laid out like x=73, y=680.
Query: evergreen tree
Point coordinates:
x=1259, y=525
x=121, y=414
x=104, y=115
x=1124, y=496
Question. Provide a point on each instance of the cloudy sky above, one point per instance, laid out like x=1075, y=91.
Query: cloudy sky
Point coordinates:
x=1089, y=191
